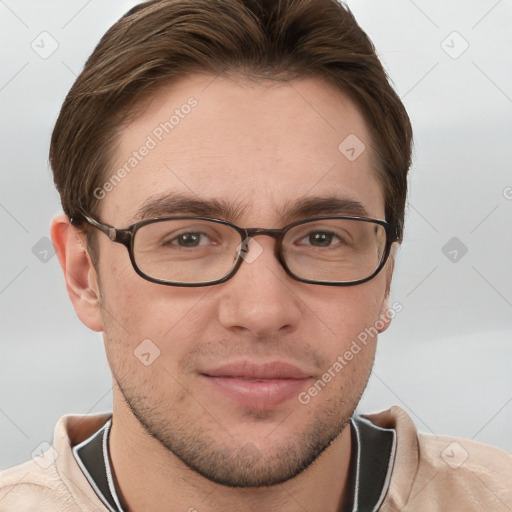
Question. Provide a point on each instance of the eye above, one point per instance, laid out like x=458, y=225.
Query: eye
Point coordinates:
x=320, y=239
x=189, y=239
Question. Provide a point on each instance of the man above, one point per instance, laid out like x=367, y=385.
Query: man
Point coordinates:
x=251, y=157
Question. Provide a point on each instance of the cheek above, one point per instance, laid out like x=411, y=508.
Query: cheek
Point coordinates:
x=141, y=317
x=347, y=313
x=349, y=316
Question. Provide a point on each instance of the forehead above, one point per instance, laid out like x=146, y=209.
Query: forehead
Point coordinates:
x=258, y=147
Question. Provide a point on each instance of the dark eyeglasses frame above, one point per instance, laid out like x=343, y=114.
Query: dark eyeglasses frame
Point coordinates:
x=126, y=237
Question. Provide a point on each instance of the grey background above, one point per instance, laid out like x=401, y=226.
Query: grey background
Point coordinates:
x=447, y=357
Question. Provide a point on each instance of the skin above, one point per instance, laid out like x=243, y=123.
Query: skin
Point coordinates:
x=260, y=146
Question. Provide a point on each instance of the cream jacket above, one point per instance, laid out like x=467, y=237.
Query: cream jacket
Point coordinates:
x=430, y=473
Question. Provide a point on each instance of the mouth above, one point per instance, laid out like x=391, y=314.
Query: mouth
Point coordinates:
x=257, y=386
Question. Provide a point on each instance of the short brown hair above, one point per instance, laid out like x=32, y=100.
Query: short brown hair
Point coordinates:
x=161, y=40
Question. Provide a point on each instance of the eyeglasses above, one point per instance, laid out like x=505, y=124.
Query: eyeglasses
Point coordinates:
x=199, y=251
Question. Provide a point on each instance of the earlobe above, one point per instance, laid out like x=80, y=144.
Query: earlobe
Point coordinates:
x=384, y=315
x=79, y=273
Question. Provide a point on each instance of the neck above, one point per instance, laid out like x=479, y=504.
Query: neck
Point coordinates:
x=150, y=477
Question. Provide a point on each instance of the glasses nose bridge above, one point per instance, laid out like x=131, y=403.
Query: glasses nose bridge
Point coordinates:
x=250, y=233
x=273, y=233
x=276, y=234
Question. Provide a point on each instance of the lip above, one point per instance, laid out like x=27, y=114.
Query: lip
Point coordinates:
x=257, y=386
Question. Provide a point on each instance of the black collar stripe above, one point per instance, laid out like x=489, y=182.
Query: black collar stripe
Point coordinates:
x=108, y=467
x=372, y=467
x=91, y=456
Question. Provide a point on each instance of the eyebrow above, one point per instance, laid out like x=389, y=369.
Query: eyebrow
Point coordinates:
x=305, y=207
x=172, y=204
x=317, y=206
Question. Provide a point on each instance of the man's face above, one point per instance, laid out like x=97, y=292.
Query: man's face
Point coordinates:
x=223, y=395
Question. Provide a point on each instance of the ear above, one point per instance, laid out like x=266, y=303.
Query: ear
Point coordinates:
x=79, y=273
x=384, y=314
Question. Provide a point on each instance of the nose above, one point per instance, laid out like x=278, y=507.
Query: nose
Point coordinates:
x=260, y=299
